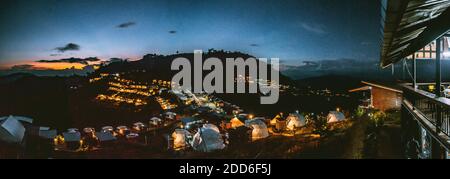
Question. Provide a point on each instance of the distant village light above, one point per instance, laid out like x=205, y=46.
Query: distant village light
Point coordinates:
x=183, y=66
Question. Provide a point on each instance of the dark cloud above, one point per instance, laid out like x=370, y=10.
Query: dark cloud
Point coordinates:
x=112, y=60
x=54, y=55
x=126, y=24
x=172, y=32
x=72, y=60
x=68, y=47
x=254, y=45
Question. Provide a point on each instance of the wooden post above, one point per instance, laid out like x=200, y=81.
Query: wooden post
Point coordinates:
x=438, y=68
x=438, y=85
x=414, y=66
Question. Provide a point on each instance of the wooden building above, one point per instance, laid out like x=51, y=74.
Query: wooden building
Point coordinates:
x=381, y=96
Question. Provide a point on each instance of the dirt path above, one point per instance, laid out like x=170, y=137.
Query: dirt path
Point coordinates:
x=388, y=145
x=353, y=149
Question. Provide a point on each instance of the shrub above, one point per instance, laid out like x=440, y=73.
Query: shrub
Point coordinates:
x=320, y=125
x=378, y=118
x=359, y=112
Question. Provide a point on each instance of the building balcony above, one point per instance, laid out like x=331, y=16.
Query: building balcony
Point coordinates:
x=430, y=111
x=409, y=35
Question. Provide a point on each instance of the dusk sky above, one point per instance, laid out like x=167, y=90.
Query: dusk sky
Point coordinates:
x=290, y=30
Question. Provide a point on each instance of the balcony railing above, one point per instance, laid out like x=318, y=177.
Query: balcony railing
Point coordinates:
x=435, y=110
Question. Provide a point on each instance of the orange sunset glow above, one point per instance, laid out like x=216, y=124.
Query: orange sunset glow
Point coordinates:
x=57, y=65
x=48, y=66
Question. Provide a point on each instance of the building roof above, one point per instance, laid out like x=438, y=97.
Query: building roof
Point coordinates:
x=387, y=86
x=364, y=88
x=384, y=85
x=409, y=25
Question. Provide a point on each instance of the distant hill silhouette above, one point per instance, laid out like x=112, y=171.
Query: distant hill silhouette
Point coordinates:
x=154, y=66
x=366, y=70
x=51, y=101
x=49, y=72
x=14, y=77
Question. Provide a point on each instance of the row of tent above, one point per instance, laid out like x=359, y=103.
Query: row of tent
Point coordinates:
x=208, y=137
x=296, y=120
x=13, y=129
x=293, y=121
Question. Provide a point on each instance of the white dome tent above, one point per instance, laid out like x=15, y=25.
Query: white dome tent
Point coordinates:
x=170, y=115
x=259, y=129
x=335, y=116
x=212, y=126
x=155, y=121
x=295, y=120
x=207, y=139
x=180, y=138
x=11, y=130
x=275, y=120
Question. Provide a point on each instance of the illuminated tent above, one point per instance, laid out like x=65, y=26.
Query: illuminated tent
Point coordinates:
x=72, y=136
x=109, y=129
x=11, y=130
x=139, y=126
x=295, y=120
x=259, y=129
x=72, y=139
x=335, y=116
x=170, y=115
x=207, y=139
x=180, y=138
x=275, y=120
x=155, y=121
x=105, y=136
x=235, y=123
